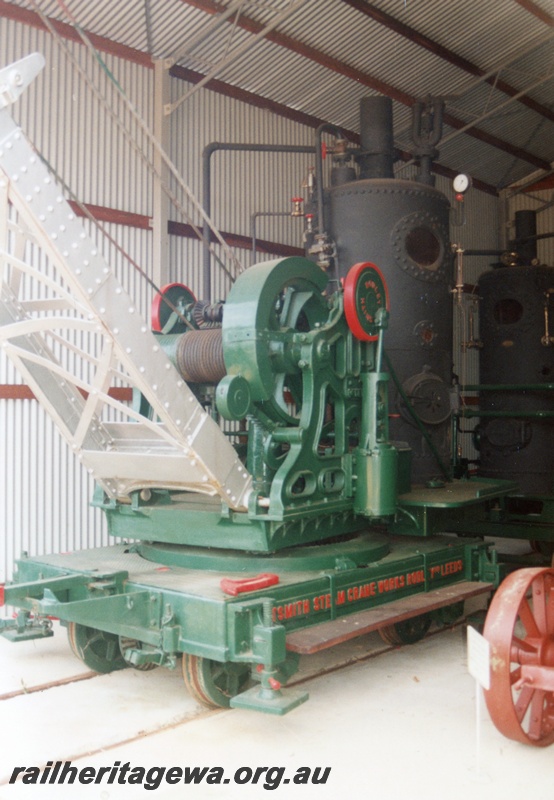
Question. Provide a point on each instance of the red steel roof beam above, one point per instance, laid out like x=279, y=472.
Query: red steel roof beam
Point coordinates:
x=538, y=12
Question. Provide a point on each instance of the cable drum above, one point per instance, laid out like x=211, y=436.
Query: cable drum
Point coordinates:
x=199, y=356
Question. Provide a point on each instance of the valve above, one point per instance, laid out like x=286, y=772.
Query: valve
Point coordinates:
x=309, y=229
x=324, y=249
x=547, y=340
x=297, y=203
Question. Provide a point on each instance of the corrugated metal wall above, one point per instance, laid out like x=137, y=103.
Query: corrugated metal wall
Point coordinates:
x=44, y=493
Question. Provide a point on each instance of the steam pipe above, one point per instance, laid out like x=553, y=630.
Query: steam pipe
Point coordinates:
x=526, y=231
x=376, y=138
x=535, y=238
x=206, y=190
x=254, y=217
x=329, y=128
x=483, y=252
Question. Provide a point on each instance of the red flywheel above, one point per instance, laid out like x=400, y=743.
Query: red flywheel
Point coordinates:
x=365, y=292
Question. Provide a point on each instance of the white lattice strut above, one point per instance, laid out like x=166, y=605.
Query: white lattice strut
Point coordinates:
x=181, y=447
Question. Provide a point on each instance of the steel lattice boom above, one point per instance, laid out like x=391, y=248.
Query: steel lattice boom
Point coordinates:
x=42, y=308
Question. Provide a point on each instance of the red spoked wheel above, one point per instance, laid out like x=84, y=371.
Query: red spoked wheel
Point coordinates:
x=520, y=630
x=167, y=305
x=365, y=292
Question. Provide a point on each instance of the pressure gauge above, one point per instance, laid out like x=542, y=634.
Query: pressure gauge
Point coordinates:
x=461, y=183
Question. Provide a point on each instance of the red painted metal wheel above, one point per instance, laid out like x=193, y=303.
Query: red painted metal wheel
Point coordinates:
x=365, y=292
x=170, y=299
x=520, y=630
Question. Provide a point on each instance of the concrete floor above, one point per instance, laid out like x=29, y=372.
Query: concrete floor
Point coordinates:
x=402, y=723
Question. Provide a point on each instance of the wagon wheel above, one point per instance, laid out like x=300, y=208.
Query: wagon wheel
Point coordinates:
x=214, y=683
x=99, y=650
x=520, y=630
x=448, y=615
x=545, y=548
x=409, y=631
x=71, y=638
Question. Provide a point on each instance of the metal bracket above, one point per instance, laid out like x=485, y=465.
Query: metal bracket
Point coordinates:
x=15, y=78
x=25, y=627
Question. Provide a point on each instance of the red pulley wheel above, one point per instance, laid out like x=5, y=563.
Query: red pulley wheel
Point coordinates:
x=174, y=296
x=365, y=292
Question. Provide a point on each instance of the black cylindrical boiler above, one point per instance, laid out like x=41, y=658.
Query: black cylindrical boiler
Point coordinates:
x=516, y=327
x=402, y=227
